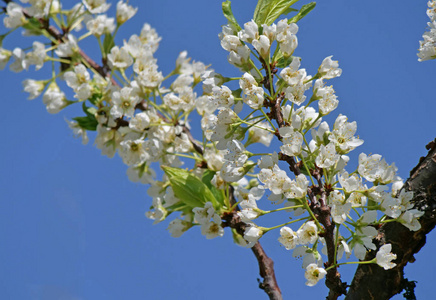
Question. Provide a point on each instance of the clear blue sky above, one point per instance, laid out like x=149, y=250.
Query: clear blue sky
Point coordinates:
x=72, y=225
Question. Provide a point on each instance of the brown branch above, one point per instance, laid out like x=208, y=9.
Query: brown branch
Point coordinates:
x=266, y=264
x=266, y=269
x=372, y=281
x=104, y=70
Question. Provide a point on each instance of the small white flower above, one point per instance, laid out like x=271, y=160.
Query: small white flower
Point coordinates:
x=314, y=274
x=96, y=6
x=15, y=17
x=204, y=214
x=329, y=68
x=125, y=12
x=250, y=32
x=119, y=58
x=124, y=102
x=288, y=238
x=177, y=227
x=308, y=234
x=252, y=234
x=253, y=94
x=101, y=25
x=384, y=257
x=292, y=141
x=54, y=99
x=34, y=87
x=133, y=152
x=343, y=135
x=213, y=228
x=286, y=36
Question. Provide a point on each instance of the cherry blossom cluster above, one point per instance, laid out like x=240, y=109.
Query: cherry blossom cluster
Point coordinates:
x=217, y=179
x=427, y=47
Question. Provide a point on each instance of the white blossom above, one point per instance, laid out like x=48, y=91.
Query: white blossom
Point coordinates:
x=177, y=227
x=54, y=99
x=79, y=80
x=96, y=6
x=292, y=141
x=212, y=229
x=286, y=36
x=329, y=68
x=314, y=274
x=308, y=234
x=342, y=135
x=252, y=234
x=125, y=12
x=373, y=168
x=253, y=94
x=288, y=238
x=100, y=25
x=15, y=17
x=34, y=87
x=119, y=58
x=384, y=257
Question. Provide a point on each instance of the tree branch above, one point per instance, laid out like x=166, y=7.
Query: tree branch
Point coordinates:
x=372, y=281
x=266, y=264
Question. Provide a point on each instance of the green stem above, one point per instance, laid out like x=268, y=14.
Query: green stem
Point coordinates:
x=269, y=120
x=264, y=212
x=265, y=229
x=373, y=261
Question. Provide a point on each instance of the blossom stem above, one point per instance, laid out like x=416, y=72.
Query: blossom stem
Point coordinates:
x=269, y=120
x=84, y=36
x=311, y=214
x=265, y=229
x=373, y=261
x=182, y=155
x=264, y=212
x=336, y=244
x=257, y=70
x=307, y=170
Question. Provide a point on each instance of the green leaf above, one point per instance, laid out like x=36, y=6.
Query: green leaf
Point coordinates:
x=261, y=11
x=33, y=27
x=237, y=93
x=89, y=111
x=108, y=43
x=267, y=11
x=89, y=122
x=289, y=10
x=305, y=9
x=206, y=179
x=188, y=188
x=283, y=62
x=227, y=10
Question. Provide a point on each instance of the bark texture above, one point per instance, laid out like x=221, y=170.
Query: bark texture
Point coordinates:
x=373, y=282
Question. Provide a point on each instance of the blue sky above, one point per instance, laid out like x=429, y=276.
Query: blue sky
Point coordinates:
x=73, y=225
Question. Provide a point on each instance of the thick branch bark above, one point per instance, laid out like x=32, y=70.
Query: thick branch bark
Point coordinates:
x=372, y=281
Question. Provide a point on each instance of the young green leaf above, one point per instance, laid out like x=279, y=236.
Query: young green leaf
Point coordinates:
x=227, y=10
x=218, y=194
x=89, y=122
x=108, y=43
x=277, y=9
x=188, y=188
x=305, y=9
x=283, y=62
x=267, y=11
x=261, y=11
